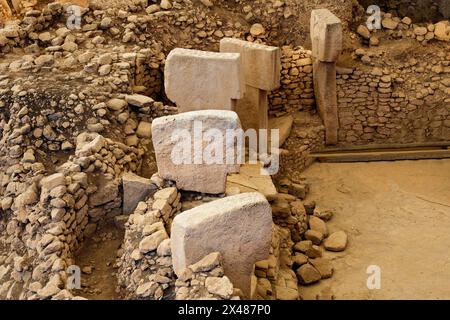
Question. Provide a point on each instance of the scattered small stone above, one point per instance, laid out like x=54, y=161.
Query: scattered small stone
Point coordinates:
x=323, y=266
x=337, y=241
x=307, y=274
x=257, y=30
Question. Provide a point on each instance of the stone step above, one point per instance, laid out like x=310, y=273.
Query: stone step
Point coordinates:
x=250, y=179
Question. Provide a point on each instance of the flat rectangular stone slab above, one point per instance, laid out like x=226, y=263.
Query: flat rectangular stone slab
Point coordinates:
x=239, y=227
x=326, y=35
x=183, y=165
x=250, y=179
x=261, y=63
x=200, y=80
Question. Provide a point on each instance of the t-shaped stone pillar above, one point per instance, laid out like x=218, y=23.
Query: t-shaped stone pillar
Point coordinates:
x=195, y=149
x=201, y=80
x=239, y=227
x=326, y=38
x=262, y=68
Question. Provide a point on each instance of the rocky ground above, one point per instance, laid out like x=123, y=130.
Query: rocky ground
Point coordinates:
x=75, y=111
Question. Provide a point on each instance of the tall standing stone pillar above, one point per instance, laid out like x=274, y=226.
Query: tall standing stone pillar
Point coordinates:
x=261, y=66
x=326, y=38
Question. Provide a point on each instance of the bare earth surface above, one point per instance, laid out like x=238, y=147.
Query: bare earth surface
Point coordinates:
x=99, y=253
x=397, y=216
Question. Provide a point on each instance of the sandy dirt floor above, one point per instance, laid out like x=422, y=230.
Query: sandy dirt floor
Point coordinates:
x=99, y=254
x=397, y=216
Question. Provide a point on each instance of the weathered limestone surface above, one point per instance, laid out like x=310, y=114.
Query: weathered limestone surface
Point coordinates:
x=326, y=38
x=199, y=80
x=261, y=63
x=188, y=168
x=262, y=69
x=253, y=109
x=135, y=189
x=326, y=98
x=239, y=227
x=326, y=35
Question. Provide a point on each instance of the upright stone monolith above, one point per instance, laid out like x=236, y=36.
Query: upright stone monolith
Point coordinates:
x=239, y=227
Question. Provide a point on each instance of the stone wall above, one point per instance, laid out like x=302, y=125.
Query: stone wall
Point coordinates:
x=307, y=135
x=376, y=106
x=145, y=266
x=46, y=218
x=296, y=91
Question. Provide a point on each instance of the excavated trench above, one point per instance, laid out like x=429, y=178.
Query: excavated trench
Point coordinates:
x=97, y=256
x=96, y=259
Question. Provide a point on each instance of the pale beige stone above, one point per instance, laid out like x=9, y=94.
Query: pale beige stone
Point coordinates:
x=253, y=109
x=199, y=80
x=442, y=30
x=326, y=35
x=239, y=227
x=284, y=125
x=135, y=189
x=261, y=64
x=262, y=69
x=192, y=173
x=250, y=179
x=326, y=98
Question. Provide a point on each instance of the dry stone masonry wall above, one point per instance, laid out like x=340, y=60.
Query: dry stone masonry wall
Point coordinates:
x=375, y=106
x=296, y=92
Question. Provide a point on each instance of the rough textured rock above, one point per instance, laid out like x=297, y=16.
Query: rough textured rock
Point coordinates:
x=135, y=189
x=245, y=239
x=318, y=224
x=200, y=80
x=172, y=134
x=307, y=274
x=337, y=241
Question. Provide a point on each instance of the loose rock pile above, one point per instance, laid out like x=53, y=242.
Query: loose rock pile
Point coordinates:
x=206, y=280
x=397, y=28
x=304, y=254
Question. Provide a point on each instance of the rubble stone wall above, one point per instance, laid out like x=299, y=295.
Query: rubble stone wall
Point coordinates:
x=296, y=91
x=52, y=214
x=145, y=266
x=377, y=107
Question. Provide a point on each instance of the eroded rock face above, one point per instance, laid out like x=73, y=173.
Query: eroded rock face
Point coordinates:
x=239, y=227
x=173, y=140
